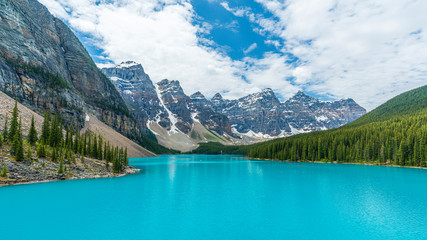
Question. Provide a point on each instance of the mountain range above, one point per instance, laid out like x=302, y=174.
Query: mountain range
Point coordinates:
x=181, y=122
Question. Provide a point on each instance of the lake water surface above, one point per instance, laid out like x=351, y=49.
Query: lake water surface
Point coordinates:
x=223, y=197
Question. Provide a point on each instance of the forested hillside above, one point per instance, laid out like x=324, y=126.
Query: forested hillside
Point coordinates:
x=395, y=133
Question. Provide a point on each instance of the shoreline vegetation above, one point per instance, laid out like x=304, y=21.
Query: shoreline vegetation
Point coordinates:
x=346, y=163
x=53, y=156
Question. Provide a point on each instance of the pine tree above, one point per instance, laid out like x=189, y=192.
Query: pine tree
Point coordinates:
x=18, y=144
x=41, y=150
x=76, y=142
x=44, y=138
x=4, y=171
x=54, y=156
x=105, y=152
x=117, y=168
x=126, y=159
x=61, y=167
x=5, y=131
x=107, y=166
x=14, y=123
x=55, y=133
x=94, y=148
x=67, y=137
x=29, y=153
x=100, y=148
x=32, y=134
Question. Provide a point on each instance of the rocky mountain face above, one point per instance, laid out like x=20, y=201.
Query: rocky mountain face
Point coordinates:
x=256, y=113
x=257, y=116
x=306, y=113
x=166, y=103
x=263, y=115
x=139, y=93
x=44, y=66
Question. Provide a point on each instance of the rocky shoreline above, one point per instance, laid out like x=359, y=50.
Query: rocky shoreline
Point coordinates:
x=42, y=170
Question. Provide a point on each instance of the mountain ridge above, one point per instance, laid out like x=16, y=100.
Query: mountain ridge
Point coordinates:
x=252, y=118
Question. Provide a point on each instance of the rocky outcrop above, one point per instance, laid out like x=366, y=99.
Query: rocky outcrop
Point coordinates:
x=44, y=66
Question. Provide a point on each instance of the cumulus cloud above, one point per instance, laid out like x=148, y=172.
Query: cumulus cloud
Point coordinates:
x=302, y=74
x=367, y=50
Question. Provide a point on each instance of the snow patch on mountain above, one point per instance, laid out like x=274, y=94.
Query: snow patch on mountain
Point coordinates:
x=321, y=118
x=172, y=117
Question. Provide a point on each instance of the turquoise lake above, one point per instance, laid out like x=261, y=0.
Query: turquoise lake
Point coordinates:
x=223, y=197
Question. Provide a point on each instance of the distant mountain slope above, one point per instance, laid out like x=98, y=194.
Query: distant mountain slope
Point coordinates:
x=395, y=133
x=406, y=103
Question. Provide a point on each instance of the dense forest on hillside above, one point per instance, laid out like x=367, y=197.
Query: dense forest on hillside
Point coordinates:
x=398, y=141
x=394, y=133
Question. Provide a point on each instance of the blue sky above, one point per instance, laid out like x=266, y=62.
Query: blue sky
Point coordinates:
x=234, y=34
x=367, y=50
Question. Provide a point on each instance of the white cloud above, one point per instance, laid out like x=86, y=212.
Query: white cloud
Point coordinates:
x=162, y=36
x=359, y=49
x=275, y=43
x=301, y=74
x=252, y=47
x=265, y=24
x=368, y=50
x=238, y=12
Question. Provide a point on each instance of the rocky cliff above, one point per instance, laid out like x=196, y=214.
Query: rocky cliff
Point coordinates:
x=44, y=66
